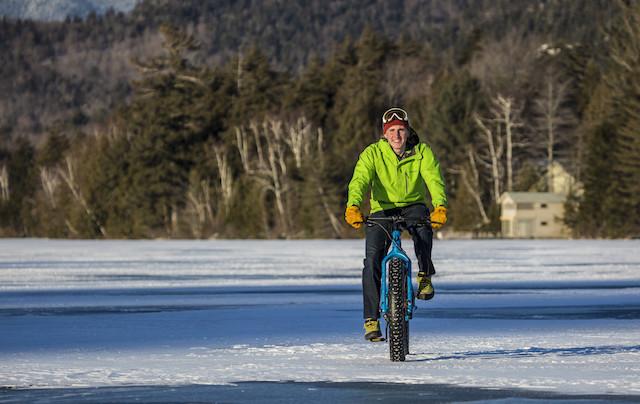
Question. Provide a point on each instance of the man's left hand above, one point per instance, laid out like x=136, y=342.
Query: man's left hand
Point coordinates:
x=438, y=217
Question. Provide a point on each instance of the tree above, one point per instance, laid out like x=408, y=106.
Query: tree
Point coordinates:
x=554, y=119
x=358, y=104
x=19, y=184
x=452, y=133
x=176, y=110
x=610, y=205
x=623, y=79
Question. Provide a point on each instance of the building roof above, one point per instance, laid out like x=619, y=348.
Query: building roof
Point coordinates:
x=524, y=197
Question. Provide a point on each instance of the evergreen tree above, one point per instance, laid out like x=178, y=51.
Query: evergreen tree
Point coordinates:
x=173, y=114
x=595, y=219
x=16, y=212
x=624, y=81
x=358, y=105
x=448, y=119
x=610, y=206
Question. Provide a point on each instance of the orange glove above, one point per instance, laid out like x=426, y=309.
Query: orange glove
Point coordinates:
x=354, y=217
x=438, y=217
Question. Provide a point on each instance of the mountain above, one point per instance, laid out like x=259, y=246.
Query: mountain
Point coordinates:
x=58, y=10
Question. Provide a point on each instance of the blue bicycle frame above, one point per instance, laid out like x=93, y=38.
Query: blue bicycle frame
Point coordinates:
x=396, y=252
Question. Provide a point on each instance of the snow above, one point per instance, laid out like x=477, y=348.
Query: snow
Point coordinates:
x=549, y=315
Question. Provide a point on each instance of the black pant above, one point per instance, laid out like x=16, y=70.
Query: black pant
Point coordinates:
x=377, y=245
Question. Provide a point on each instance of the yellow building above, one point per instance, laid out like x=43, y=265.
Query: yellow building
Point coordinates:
x=532, y=215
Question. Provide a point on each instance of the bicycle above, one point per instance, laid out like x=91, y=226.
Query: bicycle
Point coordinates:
x=397, y=297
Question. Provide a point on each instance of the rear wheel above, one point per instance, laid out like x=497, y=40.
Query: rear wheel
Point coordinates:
x=398, y=325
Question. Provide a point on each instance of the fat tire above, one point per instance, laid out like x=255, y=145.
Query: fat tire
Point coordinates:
x=406, y=338
x=398, y=325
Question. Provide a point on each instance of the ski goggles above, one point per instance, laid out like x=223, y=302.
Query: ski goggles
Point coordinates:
x=395, y=114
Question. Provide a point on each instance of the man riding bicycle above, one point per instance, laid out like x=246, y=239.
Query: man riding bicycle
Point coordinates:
x=399, y=170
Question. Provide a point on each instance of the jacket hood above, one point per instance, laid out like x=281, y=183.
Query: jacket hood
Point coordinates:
x=413, y=139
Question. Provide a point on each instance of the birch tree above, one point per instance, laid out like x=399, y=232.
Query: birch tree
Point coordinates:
x=199, y=203
x=552, y=120
x=470, y=177
x=269, y=169
x=508, y=115
x=4, y=184
x=273, y=176
x=242, y=143
x=225, y=175
x=50, y=181
x=500, y=137
x=67, y=173
x=298, y=137
x=492, y=156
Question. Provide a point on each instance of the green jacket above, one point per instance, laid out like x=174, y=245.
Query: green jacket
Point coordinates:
x=396, y=182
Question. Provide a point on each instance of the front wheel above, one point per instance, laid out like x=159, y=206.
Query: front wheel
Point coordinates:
x=398, y=324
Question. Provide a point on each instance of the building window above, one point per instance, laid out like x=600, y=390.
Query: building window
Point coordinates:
x=525, y=205
x=543, y=223
x=543, y=205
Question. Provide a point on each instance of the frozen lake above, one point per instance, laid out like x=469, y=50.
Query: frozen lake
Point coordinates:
x=233, y=320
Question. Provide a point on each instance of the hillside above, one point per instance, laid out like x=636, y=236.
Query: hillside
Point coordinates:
x=76, y=71
x=157, y=122
x=58, y=10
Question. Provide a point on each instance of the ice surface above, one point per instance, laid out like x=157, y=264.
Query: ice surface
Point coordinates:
x=552, y=315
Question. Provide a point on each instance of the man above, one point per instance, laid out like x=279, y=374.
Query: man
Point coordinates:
x=399, y=170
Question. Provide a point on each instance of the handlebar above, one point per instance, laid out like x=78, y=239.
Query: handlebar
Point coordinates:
x=398, y=223
x=400, y=219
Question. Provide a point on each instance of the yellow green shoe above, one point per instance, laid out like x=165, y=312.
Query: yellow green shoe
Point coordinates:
x=425, y=287
x=372, y=330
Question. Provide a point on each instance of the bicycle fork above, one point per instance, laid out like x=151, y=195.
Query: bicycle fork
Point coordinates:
x=396, y=252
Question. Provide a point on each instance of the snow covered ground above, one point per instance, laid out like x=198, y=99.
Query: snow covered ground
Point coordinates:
x=555, y=316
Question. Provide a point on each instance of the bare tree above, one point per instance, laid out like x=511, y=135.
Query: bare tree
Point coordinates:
x=225, y=175
x=500, y=137
x=274, y=133
x=509, y=116
x=297, y=137
x=270, y=167
x=4, y=184
x=552, y=119
x=199, y=202
x=493, y=155
x=67, y=173
x=242, y=143
x=50, y=182
x=273, y=176
x=277, y=141
x=470, y=177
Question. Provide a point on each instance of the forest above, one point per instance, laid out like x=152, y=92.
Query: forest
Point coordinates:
x=244, y=119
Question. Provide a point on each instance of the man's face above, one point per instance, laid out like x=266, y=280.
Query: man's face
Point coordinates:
x=397, y=135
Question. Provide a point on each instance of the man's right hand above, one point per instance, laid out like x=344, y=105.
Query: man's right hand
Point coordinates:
x=354, y=217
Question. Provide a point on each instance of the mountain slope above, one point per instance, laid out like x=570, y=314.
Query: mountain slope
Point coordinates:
x=72, y=71
x=58, y=10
